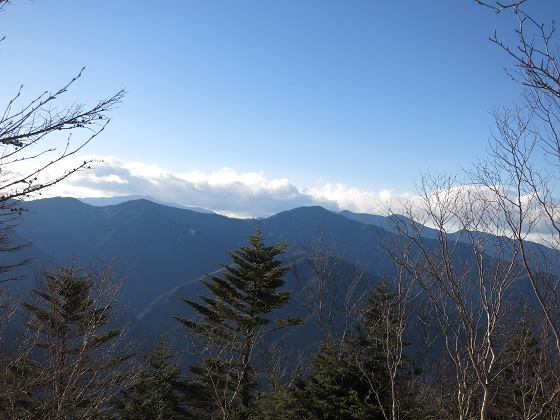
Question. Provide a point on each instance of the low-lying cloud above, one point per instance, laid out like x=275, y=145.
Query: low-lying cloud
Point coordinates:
x=224, y=191
x=252, y=194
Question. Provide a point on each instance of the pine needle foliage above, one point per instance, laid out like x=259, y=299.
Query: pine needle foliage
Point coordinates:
x=158, y=393
x=336, y=387
x=78, y=360
x=233, y=320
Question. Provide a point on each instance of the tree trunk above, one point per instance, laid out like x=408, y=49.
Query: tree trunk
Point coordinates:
x=485, y=403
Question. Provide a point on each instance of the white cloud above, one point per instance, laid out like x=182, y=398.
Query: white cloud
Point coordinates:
x=111, y=178
x=357, y=200
x=252, y=194
x=224, y=191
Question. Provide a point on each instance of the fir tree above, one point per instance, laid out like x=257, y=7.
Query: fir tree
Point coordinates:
x=234, y=319
x=364, y=376
x=158, y=393
x=527, y=385
x=277, y=404
x=381, y=338
x=336, y=387
x=16, y=400
x=77, y=361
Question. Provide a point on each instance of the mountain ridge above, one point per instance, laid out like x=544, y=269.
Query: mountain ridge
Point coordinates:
x=109, y=201
x=164, y=251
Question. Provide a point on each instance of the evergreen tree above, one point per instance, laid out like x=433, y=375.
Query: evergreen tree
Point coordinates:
x=158, y=393
x=77, y=362
x=279, y=368
x=381, y=338
x=527, y=385
x=16, y=400
x=234, y=319
x=336, y=388
x=366, y=375
x=280, y=403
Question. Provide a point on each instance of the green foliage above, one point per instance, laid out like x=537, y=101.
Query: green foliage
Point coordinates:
x=159, y=392
x=382, y=332
x=528, y=374
x=75, y=364
x=277, y=404
x=234, y=319
x=16, y=400
x=336, y=388
x=214, y=389
x=367, y=374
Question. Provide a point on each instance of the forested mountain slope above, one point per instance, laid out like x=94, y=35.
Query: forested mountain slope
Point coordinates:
x=164, y=251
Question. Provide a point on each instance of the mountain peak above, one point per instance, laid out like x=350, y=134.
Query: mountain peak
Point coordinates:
x=110, y=201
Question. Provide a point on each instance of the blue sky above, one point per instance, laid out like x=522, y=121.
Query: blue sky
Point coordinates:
x=252, y=107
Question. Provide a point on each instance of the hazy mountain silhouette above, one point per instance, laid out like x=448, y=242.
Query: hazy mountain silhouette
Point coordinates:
x=111, y=201
x=164, y=251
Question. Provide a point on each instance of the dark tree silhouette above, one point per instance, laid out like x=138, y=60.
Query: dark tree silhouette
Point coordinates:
x=234, y=320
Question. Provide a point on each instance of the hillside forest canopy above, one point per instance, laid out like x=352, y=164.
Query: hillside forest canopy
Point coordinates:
x=465, y=325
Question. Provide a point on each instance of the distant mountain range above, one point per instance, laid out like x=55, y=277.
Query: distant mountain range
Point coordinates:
x=164, y=250
x=111, y=201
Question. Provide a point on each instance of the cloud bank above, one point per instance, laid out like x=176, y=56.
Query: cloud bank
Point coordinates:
x=249, y=195
x=224, y=191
